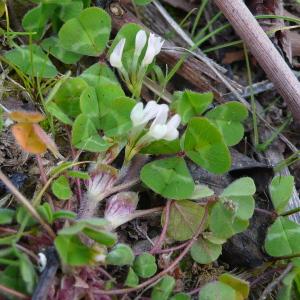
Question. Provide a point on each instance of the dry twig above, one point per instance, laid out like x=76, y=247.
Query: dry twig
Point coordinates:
x=264, y=51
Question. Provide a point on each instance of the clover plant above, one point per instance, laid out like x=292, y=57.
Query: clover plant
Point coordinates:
x=107, y=118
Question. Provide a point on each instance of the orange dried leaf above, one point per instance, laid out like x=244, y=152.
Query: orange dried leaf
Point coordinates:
x=45, y=138
x=26, y=137
x=26, y=116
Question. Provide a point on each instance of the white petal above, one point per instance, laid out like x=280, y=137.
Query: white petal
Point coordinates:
x=171, y=135
x=150, y=52
x=115, y=58
x=140, y=42
x=174, y=121
x=158, y=43
x=162, y=115
x=158, y=131
x=151, y=110
x=137, y=114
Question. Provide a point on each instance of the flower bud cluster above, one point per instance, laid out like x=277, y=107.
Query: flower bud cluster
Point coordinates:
x=134, y=76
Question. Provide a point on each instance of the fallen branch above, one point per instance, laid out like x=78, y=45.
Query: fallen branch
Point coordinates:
x=264, y=51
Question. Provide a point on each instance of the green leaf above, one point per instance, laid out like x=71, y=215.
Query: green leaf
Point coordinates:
x=213, y=239
x=181, y=296
x=46, y=212
x=132, y=280
x=189, y=104
x=27, y=272
x=78, y=174
x=142, y=2
x=55, y=111
x=68, y=95
x=169, y=177
x=98, y=74
x=185, y=218
x=70, y=10
x=236, y=205
x=241, y=286
x=95, y=222
x=100, y=236
x=23, y=214
x=217, y=290
x=241, y=187
x=201, y=191
x=117, y=121
x=6, y=215
x=281, y=190
x=223, y=222
x=89, y=106
x=283, y=238
x=53, y=46
x=107, y=107
x=163, y=289
x=61, y=188
x=106, y=93
x=11, y=277
x=205, y=252
x=73, y=229
x=162, y=147
x=228, y=117
x=120, y=255
x=2, y=8
x=35, y=20
x=87, y=34
x=64, y=214
x=144, y=265
x=72, y=251
x=86, y=137
x=32, y=61
x=204, y=145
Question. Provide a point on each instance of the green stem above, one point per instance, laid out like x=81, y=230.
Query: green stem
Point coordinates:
x=209, y=23
x=253, y=103
x=198, y=17
x=290, y=212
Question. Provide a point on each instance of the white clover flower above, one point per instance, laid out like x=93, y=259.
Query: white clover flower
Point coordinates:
x=140, y=42
x=155, y=44
x=161, y=129
x=140, y=116
x=115, y=58
x=172, y=125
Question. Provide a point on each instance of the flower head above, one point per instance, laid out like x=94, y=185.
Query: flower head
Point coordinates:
x=100, y=182
x=120, y=208
x=172, y=125
x=155, y=44
x=140, y=42
x=115, y=58
x=140, y=116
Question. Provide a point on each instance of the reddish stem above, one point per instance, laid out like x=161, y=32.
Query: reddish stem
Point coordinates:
x=162, y=237
x=172, y=249
x=165, y=271
x=14, y=293
x=41, y=168
x=44, y=178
